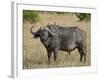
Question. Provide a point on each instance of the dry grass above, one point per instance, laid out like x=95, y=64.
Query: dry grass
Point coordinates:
x=35, y=55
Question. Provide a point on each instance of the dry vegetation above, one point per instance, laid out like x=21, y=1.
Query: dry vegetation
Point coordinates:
x=35, y=55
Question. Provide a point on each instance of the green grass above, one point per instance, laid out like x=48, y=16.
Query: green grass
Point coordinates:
x=32, y=16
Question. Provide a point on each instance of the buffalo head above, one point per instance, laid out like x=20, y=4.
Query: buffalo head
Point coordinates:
x=42, y=33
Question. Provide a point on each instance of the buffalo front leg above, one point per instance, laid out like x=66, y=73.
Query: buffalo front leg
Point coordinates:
x=49, y=56
x=55, y=56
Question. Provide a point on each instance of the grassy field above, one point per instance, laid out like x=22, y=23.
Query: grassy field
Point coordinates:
x=34, y=53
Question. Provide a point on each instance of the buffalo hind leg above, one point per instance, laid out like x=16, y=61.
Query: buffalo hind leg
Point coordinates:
x=82, y=54
x=84, y=57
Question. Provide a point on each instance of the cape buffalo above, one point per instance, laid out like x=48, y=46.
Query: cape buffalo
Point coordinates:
x=55, y=37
